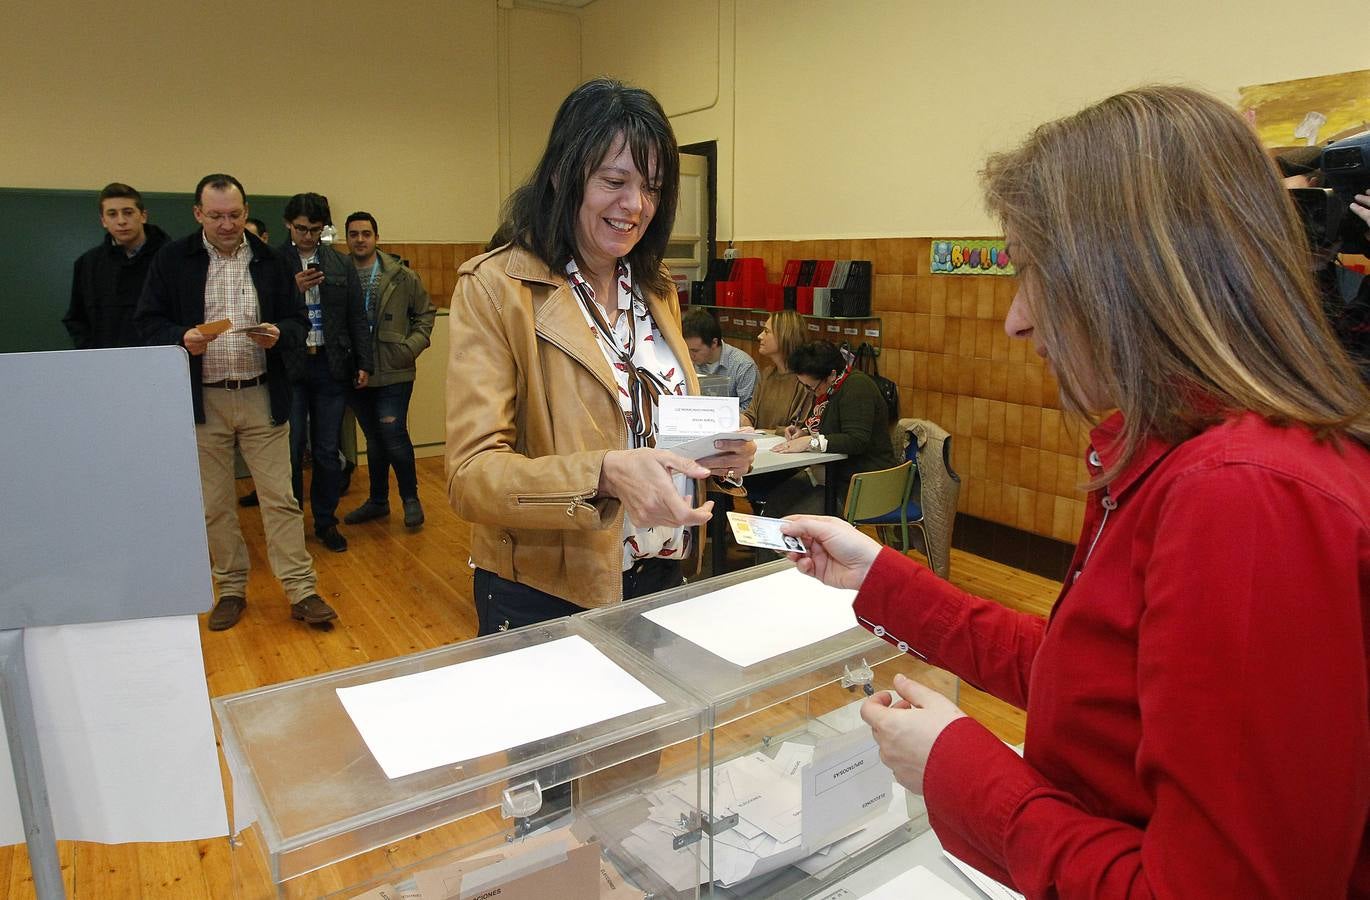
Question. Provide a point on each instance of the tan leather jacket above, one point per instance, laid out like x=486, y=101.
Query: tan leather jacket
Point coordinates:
x=532, y=407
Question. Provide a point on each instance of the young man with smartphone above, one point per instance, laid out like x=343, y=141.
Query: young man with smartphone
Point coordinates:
x=336, y=356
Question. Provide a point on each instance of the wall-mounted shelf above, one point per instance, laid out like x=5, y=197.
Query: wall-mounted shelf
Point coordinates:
x=742, y=323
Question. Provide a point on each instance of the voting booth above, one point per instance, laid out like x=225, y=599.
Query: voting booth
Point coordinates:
x=703, y=741
x=795, y=797
x=516, y=761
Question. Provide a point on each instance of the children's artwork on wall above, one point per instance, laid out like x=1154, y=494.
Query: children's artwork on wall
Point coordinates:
x=1308, y=111
x=961, y=257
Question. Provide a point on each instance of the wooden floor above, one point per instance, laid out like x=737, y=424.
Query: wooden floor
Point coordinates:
x=396, y=592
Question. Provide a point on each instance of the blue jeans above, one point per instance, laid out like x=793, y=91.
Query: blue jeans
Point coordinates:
x=502, y=604
x=383, y=414
x=316, y=410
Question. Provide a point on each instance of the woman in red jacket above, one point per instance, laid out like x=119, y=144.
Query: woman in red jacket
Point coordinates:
x=1198, y=721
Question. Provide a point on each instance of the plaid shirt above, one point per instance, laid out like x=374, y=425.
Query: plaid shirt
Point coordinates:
x=230, y=294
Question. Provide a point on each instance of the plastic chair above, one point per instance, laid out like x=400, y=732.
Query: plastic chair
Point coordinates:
x=881, y=498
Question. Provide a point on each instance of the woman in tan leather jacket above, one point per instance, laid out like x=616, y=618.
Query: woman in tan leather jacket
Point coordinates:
x=563, y=339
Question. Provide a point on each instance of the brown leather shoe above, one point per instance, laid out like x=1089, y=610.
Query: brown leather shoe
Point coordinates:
x=226, y=613
x=312, y=610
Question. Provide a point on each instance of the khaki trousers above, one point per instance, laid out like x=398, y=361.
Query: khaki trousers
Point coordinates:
x=245, y=417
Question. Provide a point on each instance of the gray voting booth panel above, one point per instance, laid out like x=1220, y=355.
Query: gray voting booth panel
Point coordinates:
x=101, y=514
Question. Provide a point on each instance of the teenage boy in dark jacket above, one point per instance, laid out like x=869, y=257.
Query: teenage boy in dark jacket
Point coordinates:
x=107, y=279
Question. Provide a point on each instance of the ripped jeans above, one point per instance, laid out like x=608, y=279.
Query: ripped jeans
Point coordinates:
x=383, y=414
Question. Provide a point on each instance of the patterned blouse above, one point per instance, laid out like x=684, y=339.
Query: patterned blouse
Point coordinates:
x=644, y=368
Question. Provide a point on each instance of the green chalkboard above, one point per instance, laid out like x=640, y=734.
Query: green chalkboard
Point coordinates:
x=42, y=232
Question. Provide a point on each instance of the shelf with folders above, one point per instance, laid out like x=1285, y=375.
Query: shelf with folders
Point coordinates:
x=812, y=287
x=740, y=324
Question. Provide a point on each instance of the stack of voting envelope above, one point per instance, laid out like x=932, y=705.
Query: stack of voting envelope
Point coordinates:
x=772, y=831
x=555, y=863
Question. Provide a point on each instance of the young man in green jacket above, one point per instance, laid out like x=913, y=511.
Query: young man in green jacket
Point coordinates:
x=400, y=317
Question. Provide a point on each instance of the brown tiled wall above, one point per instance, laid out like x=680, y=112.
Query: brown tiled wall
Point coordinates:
x=436, y=264
x=944, y=344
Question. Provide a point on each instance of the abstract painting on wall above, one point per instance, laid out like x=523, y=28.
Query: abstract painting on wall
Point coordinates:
x=1308, y=111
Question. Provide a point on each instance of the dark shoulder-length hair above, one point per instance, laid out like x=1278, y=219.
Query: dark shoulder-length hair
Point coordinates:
x=1168, y=271
x=541, y=215
x=816, y=359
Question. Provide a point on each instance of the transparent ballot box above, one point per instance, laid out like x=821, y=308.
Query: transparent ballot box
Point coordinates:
x=795, y=796
x=517, y=765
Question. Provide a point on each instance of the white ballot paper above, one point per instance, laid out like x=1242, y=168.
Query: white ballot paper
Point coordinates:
x=123, y=718
x=760, y=619
x=917, y=882
x=845, y=787
x=459, y=712
x=690, y=425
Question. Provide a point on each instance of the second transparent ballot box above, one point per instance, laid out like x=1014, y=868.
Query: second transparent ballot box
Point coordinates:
x=516, y=765
x=795, y=795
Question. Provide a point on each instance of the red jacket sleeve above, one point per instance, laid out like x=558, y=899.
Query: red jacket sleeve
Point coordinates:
x=980, y=641
x=1252, y=690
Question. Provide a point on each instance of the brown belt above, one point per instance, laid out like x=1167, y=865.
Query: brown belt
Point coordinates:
x=313, y=351
x=235, y=384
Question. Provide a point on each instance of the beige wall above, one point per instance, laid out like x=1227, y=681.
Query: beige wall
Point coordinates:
x=681, y=51
x=539, y=66
x=392, y=110
x=869, y=118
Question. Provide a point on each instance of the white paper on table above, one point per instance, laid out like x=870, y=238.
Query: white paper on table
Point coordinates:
x=995, y=890
x=769, y=441
x=917, y=882
x=127, y=738
x=471, y=709
x=760, y=619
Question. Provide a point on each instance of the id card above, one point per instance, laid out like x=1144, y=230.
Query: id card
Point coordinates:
x=759, y=531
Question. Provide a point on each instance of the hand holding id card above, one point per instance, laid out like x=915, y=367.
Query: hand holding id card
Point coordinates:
x=759, y=531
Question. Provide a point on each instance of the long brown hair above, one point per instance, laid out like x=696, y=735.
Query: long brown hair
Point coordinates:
x=1168, y=273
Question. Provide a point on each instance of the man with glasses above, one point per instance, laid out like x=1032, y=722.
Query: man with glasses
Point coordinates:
x=336, y=355
x=238, y=387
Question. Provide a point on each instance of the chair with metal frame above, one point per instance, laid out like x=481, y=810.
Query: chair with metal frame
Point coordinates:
x=881, y=498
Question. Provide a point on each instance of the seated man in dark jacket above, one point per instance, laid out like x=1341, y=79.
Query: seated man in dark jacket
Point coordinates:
x=336, y=356
x=238, y=387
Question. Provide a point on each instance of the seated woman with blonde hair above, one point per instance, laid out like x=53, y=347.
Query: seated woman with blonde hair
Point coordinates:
x=779, y=400
x=1197, y=703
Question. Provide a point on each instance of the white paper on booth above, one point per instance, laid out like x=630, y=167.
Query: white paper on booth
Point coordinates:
x=760, y=619
x=127, y=737
x=471, y=709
